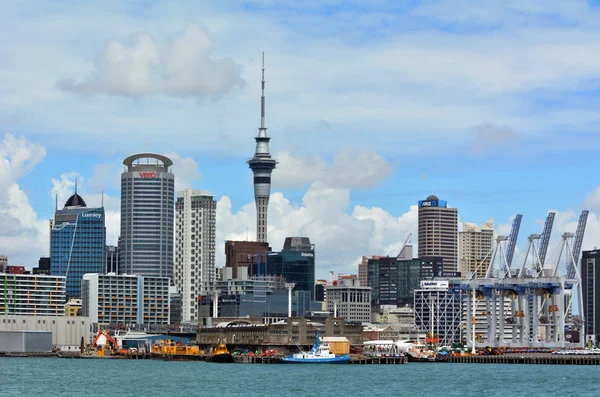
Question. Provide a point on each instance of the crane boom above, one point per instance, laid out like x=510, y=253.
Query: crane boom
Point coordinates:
x=545, y=238
x=577, y=244
x=512, y=239
x=404, y=245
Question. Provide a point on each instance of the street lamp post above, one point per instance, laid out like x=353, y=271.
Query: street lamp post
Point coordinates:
x=290, y=287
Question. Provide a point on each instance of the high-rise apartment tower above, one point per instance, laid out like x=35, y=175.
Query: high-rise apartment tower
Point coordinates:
x=262, y=165
x=147, y=216
x=475, y=243
x=194, y=248
x=438, y=231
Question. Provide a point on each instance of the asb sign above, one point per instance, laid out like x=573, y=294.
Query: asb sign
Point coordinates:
x=427, y=284
x=148, y=175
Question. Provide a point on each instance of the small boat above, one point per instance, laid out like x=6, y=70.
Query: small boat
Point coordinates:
x=318, y=354
x=221, y=354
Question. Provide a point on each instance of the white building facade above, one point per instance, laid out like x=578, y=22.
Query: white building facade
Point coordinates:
x=349, y=301
x=111, y=299
x=32, y=294
x=194, y=248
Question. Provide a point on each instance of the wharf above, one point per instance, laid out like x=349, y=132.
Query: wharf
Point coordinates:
x=354, y=359
x=527, y=359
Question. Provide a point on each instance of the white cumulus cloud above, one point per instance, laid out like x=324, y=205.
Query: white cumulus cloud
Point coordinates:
x=23, y=237
x=182, y=66
x=350, y=168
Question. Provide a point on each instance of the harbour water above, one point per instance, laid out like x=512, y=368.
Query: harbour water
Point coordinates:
x=135, y=378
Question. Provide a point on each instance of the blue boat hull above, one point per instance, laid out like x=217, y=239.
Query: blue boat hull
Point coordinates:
x=345, y=359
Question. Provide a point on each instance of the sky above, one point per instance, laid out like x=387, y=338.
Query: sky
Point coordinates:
x=492, y=106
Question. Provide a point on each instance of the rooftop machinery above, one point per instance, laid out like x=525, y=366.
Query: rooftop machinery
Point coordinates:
x=528, y=307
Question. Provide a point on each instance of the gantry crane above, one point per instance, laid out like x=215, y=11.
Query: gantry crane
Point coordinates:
x=512, y=241
x=571, y=270
x=545, y=238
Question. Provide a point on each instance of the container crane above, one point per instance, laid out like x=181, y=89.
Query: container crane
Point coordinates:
x=512, y=241
x=545, y=238
x=574, y=260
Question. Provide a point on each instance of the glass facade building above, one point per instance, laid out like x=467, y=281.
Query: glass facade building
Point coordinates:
x=393, y=281
x=147, y=216
x=295, y=266
x=77, y=243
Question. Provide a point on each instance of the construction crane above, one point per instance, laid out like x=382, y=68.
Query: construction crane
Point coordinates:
x=545, y=238
x=572, y=262
x=512, y=240
x=406, y=242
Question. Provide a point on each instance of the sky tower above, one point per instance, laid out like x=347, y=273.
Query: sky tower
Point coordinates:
x=262, y=164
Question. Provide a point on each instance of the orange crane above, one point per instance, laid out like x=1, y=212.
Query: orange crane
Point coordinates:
x=109, y=341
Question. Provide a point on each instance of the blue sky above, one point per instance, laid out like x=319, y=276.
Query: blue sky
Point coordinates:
x=493, y=106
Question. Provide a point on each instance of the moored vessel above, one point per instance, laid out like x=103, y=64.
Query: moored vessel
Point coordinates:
x=221, y=354
x=318, y=354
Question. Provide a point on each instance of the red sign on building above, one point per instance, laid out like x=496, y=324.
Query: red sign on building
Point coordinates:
x=148, y=175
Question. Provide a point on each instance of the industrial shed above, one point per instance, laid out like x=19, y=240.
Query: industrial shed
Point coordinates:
x=25, y=341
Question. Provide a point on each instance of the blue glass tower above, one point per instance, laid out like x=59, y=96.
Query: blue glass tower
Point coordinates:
x=77, y=243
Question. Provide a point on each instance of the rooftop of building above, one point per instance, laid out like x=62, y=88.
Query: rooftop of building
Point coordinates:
x=159, y=160
x=75, y=201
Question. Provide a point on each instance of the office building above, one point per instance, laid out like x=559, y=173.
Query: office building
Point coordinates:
x=147, y=216
x=112, y=259
x=73, y=308
x=111, y=299
x=363, y=269
x=16, y=269
x=262, y=165
x=350, y=301
x=248, y=254
x=438, y=309
x=438, y=231
x=77, y=243
x=295, y=263
x=320, y=295
x=393, y=281
x=475, y=245
x=590, y=282
x=3, y=263
x=195, y=247
x=43, y=266
x=32, y=295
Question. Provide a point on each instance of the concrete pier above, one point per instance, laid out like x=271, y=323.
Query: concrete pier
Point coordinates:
x=528, y=359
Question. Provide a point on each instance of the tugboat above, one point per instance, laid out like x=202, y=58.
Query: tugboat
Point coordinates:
x=318, y=354
x=221, y=354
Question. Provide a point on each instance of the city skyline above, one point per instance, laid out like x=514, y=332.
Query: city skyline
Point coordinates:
x=493, y=112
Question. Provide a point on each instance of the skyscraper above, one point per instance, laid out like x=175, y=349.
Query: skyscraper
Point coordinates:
x=77, y=242
x=475, y=244
x=195, y=247
x=262, y=165
x=147, y=216
x=590, y=283
x=438, y=231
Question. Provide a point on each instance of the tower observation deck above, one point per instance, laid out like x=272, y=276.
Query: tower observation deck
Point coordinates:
x=262, y=164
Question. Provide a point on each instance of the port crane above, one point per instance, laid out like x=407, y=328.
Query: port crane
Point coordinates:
x=512, y=241
x=537, y=252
